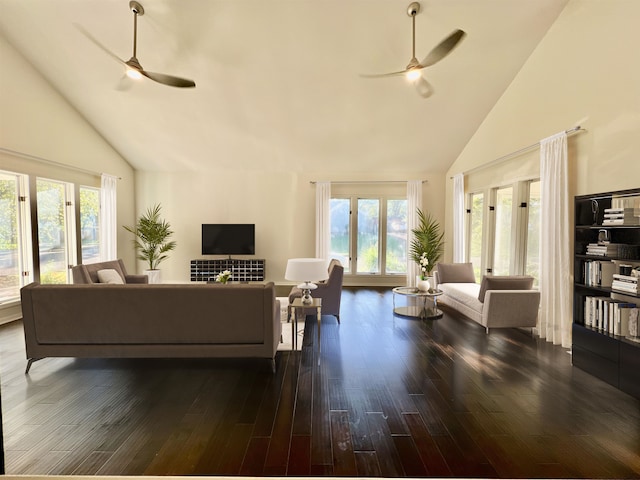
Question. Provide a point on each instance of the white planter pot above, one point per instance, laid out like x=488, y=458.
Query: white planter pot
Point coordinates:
x=423, y=285
x=154, y=276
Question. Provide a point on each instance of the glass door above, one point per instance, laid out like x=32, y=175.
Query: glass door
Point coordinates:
x=55, y=221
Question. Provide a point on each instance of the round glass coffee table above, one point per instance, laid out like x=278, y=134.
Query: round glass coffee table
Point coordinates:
x=426, y=303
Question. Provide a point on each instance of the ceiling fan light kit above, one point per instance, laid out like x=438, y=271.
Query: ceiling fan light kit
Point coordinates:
x=133, y=67
x=414, y=69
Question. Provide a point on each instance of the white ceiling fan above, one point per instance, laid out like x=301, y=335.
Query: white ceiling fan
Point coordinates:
x=133, y=67
x=414, y=70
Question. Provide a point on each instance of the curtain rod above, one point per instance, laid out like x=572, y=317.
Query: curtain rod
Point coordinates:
x=508, y=156
x=313, y=182
x=50, y=162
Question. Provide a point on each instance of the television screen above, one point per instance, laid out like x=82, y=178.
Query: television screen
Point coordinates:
x=228, y=239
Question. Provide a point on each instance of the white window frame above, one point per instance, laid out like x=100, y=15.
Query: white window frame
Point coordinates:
x=382, y=232
x=519, y=222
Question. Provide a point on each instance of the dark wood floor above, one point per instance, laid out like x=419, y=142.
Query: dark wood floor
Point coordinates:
x=391, y=397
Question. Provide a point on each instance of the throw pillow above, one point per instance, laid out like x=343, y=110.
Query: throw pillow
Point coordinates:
x=455, y=273
x=110, y=275
x=506, y=282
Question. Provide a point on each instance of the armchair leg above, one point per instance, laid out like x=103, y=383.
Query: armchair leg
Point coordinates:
x=338, y=317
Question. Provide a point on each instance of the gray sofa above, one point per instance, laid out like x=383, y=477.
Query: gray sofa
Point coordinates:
x=162, y=320
x=496, y=302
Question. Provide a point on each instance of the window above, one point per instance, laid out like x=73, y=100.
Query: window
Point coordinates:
x=503, y=228
x=15, y=271
x=475, y=233
x=54, y=225
x=90, y=224
x=340, y=231
x=368, y=254
x=376, y=237
x=508, y=241
x=532, y=260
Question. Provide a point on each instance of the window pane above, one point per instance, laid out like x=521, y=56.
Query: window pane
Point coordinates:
x=502, y=251
x=368, y=230
x=533, y=232
x=51, y=231
x=475, y=240
x=396, y=253
x=340, y=238
x=9, y=239
x=89, y=224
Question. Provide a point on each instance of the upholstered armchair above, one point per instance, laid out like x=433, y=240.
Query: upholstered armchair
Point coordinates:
x=89, y=273
x=329, y=290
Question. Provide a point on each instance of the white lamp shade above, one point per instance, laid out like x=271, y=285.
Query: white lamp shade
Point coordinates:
x=306, y=269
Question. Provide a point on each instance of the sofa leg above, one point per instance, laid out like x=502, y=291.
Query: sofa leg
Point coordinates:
x=338, y=318
x=273, y=365
x=30, y=362
x=487, y=330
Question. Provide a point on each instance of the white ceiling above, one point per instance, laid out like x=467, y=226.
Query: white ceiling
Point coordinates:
x=277, y=81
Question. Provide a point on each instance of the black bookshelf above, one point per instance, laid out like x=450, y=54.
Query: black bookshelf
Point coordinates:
x=242, y=270
x=597, y=348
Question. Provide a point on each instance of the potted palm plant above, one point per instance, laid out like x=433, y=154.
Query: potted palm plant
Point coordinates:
x=427, y=247
x=152, y=241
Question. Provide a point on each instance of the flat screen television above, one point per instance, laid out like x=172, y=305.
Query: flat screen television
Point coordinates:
x=228, y=239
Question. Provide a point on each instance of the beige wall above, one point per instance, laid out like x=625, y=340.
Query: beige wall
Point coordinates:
x=586, y=71
x=36, y=121
x=282, y=206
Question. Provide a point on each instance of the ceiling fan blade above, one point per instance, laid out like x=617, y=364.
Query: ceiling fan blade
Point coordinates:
x=443, y=48
x=424, y=88
x=169, y=79
x=380, y=75
x=98, y=44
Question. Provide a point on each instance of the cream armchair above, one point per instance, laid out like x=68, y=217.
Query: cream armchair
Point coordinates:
x=329, y=290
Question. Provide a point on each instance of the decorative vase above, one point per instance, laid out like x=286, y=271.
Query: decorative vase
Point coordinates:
x=154, y=276
x=423, y=285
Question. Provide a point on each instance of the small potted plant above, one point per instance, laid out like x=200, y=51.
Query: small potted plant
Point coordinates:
x=223, y=277
x=152, y=241
x=426, y=248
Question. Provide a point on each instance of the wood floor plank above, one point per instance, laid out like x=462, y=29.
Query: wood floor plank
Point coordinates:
x=344, y=462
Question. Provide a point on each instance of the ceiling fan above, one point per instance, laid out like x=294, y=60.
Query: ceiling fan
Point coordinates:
x=414, y=69
x=133, y=68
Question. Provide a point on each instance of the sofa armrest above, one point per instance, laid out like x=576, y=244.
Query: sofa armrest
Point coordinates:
x=136, y=279
x=510, y=308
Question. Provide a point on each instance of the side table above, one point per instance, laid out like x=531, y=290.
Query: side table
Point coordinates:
x=293, y=317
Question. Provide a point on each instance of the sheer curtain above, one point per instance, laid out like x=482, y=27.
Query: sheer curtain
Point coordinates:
x=108, y=217
x=323, y=220
x=414, y=201
x=458, y=217
x=554, y=321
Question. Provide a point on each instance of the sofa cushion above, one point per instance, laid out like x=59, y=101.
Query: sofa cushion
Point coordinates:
x=506, y=282
x=109, y=275
x=465, y=293
x=455, y=273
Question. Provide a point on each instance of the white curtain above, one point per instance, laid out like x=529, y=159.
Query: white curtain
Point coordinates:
x=414, y=201
x=323, y=220
x=108, y=218
x=458, y=217
x=554, y=321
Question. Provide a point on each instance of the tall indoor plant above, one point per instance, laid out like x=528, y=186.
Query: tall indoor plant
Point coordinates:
x=152, y=240
x=427, y=245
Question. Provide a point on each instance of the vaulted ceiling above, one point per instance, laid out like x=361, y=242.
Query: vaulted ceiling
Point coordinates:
x=278, y=82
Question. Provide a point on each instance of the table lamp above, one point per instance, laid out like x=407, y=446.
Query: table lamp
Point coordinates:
x=306, y=270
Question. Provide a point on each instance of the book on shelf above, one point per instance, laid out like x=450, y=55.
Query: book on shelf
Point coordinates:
x=624, y=283
x=598, y=273
x=611, y=316
x=621, y=216
x=603, y=250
